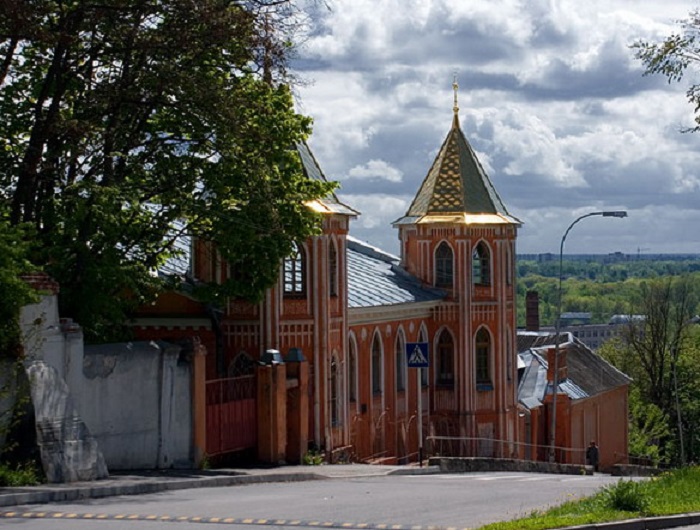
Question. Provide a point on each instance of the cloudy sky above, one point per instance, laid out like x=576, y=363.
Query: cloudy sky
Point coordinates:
x=551, y=98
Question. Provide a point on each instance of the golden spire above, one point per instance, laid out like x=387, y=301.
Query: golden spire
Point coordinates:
x=455, y=87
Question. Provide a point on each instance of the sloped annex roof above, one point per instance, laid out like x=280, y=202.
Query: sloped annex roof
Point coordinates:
x=457, y=190
x=376, y=279
x=588, y=373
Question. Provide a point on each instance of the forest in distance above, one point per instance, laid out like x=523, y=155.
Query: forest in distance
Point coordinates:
x=603, y=285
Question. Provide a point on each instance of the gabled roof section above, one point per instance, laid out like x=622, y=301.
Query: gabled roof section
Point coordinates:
x=457, y=190
x=588, y=373
x=312, y=170
x=375, y=279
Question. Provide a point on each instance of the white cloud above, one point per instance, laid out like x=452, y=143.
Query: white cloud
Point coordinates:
x=551, y=99
x=378, y=169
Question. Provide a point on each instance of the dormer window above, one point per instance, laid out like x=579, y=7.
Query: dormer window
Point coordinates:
x=481, y=265
x=295, y=273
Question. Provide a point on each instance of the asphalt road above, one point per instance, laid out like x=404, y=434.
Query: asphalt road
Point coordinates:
x=373, y=503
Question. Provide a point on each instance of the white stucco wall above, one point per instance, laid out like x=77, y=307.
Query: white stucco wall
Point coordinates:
x=135, y=398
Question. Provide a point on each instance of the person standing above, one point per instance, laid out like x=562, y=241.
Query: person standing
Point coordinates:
x=592, y=455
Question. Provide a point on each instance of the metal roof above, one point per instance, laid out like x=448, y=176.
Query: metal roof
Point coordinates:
x=533, y=385
x=457, y=190
x=588, y=373
x=312, y=170
x=376, y=279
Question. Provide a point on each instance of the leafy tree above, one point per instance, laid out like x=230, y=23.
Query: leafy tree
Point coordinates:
x=673, y=56
x=659, y=355
x=14, y=292
x=125, y=124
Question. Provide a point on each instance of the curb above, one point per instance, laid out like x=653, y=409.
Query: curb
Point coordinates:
x=647, y=523
x=48, y=494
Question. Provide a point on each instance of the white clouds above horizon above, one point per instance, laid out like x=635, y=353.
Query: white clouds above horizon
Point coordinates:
x=377, y=169
x=551, y=99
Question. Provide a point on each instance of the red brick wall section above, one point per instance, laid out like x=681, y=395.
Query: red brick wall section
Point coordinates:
x=42, y=282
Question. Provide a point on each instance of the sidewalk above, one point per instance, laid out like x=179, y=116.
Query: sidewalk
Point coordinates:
x=138, y=483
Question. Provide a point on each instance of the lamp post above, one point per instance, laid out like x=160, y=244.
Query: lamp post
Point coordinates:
x=557, y=327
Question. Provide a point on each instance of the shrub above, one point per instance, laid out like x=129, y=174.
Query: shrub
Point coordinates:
x=313, y=458
x=22, y=475
x=626, y=496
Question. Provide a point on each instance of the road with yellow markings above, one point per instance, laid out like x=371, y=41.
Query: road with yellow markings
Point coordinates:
x=420, y=502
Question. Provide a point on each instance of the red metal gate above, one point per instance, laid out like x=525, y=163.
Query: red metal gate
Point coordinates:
x=231, y=415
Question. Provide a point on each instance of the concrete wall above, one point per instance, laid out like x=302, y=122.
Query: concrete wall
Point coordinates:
x=135, y=398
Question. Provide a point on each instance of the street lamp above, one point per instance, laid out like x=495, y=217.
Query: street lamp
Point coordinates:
x=557, y=327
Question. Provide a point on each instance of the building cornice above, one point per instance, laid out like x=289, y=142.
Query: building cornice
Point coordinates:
x=371, y=315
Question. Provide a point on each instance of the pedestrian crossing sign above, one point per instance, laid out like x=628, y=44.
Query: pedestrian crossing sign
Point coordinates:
x=417, y=354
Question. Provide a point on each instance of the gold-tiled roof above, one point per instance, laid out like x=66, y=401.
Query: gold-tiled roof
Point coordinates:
x=457, y=189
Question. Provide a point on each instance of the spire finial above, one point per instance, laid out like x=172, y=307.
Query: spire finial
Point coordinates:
x=455, y=87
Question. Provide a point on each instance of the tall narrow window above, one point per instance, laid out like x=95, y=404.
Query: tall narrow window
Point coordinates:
x=400, y=363
x=481, y=265
x=445, y=360
x=483, y=358
x=294, y=273
x=334, y=405
x=444, y=266
x=376, y=365
x=352, y=372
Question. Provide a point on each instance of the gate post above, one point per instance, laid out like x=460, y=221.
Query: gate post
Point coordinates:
x=199, y=405
x=272, y=412
x=297, y=406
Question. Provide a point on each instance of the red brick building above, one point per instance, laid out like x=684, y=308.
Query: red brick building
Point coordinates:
x=350, y=310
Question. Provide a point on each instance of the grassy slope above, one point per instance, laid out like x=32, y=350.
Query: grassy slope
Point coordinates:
x=674, y=492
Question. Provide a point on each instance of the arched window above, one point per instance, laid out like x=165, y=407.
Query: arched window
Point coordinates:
x=483, y=358
x=352, y=372
x=400, y=362
x=444, y=266
x=335, y=403
x=332, y=269
x=295, y=273
x=481, y=265
x=241, y=365
x=445, y=359
x=376, y=365
x=423, y=371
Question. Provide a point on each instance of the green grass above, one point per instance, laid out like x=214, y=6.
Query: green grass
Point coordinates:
x=674, y=492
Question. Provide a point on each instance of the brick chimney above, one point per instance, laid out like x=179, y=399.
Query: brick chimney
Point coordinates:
x=563, y=369
x=532, y=311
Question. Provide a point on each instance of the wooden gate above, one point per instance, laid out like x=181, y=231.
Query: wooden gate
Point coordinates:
x=231, y=415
